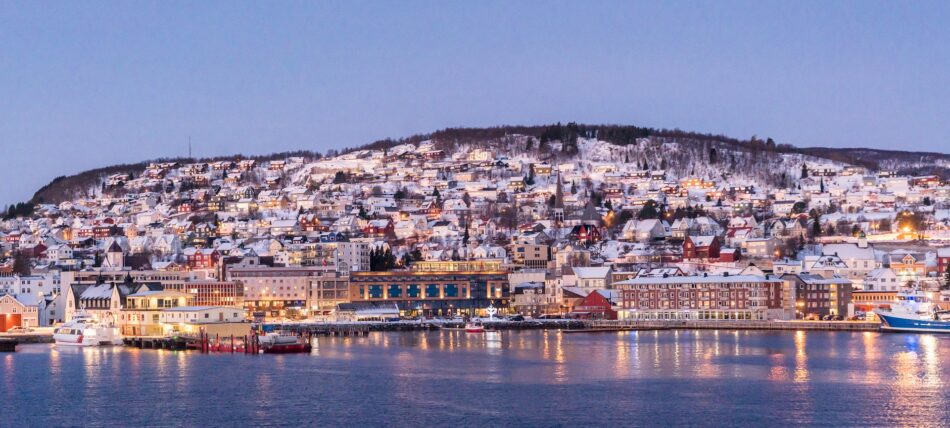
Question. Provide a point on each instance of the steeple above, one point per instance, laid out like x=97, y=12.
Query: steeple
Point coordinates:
x=558, y=211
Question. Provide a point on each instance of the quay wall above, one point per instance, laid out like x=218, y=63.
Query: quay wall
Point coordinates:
x=332, y=328
x=741, y=325
x=28, y=338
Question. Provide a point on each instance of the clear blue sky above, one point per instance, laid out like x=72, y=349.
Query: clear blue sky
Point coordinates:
x=86, y=84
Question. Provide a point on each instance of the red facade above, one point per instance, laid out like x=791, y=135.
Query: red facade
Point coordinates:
x=701, y=249
x=595, y=306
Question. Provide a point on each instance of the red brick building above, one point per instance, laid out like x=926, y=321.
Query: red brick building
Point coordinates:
x=729, y=297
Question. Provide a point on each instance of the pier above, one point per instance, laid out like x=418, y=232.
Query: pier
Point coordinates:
x=22, y=338
x=363, y=328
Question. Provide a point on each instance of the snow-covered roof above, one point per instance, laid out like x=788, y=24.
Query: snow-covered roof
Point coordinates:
x=592, y=272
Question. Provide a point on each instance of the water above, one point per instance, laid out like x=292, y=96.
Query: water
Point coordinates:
x=530, y=378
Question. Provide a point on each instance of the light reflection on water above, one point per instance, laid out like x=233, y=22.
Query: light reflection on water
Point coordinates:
x=508, y=378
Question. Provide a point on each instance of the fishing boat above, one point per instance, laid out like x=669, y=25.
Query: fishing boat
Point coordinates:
x=474, y=327
x=277, y=343
x=914, y=312
x=84, y=330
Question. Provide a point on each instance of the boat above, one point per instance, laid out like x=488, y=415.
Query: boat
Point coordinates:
x=84, y=330
x=277, y=343
x=914, y=312
x=474, y=327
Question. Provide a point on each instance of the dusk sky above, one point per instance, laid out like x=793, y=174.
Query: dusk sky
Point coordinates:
x=86, y=84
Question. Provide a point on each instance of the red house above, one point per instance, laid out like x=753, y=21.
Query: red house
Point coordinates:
x=701, y=247
x=729, y=255
x=585, y=233
x=201, y=258
x=943, y=260
x=596, y=306
x=381, y=227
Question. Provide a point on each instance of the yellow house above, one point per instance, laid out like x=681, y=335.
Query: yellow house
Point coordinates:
x=142, y=314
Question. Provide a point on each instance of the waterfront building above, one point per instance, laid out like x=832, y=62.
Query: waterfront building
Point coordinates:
x=18, y=311
x=866, y=302
x=533, y=299
x=435, y=293
x=102, y=301
x=142, y=314
x=820, y=296
x=276, y=292
x=193, y=319
x=729, y=297
x=328, y=289
x=598, y=305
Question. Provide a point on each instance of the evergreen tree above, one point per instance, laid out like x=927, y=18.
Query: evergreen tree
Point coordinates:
x=21, y=264
x=804, y=170
x=648, y=211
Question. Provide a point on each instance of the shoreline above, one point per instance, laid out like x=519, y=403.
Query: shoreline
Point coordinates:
x=572, y=326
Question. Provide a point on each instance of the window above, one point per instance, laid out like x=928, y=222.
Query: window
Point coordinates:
x=451, y=290
x=395, y=291
x=376, y=291
x=412, y=291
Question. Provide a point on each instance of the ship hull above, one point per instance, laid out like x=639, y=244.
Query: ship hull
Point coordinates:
x=891, y=322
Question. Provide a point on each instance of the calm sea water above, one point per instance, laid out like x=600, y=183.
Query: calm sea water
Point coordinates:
x=531, y=378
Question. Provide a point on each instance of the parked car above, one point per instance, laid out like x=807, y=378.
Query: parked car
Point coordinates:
x=516, y=317
x=812, y=317
x=20, y=330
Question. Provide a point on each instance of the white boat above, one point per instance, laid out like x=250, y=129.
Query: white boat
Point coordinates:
x=914, y=312
x=277, y=339
x=84, y=330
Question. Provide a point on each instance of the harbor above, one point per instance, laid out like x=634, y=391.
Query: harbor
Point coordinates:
x=821, y=375
x=236, y=342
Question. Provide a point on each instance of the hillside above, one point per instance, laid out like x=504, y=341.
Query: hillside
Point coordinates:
x=683, y=153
